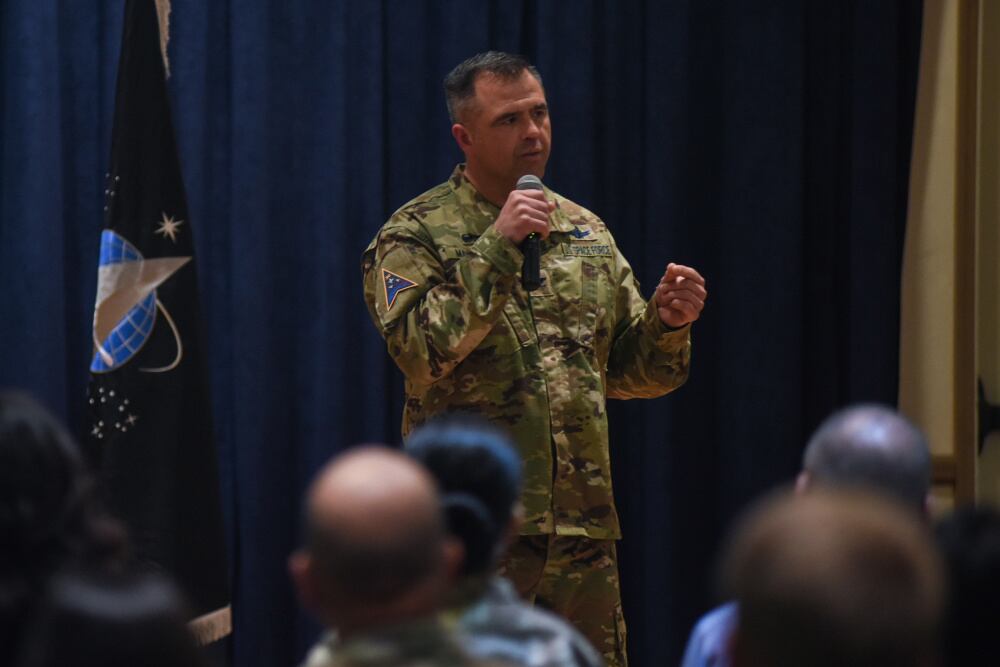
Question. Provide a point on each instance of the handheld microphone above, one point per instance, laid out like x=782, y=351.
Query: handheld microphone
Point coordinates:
x=531, y=278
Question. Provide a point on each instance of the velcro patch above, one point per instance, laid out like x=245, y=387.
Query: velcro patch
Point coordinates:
x=586, y=250
x=394, y=284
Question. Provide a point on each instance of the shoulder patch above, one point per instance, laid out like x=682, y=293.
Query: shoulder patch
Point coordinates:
x=394, y=284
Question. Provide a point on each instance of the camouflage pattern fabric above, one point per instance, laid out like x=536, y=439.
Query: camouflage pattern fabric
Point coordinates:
x=493, y=622
x=422, y=643
x=576, y=578
x=443, y=288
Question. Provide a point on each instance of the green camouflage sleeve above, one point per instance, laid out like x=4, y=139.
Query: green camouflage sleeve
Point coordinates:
x=433, y=305
x=647, y=358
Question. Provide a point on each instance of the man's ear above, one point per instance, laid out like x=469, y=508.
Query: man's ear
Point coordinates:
x=802, y=482
x=453, y=555
x=302, y=572
x=462, y=136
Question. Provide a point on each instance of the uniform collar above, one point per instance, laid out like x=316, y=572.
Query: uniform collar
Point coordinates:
x=417, y=638
x=467, y=591
x=479, y=212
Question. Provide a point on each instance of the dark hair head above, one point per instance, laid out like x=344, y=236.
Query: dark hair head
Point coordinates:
x=833, y=577
x=460, y=84
x=969, y=541
x=478, y=472
x=90, y=620
x=873, y=447
x=42, y=480
x=48, y=515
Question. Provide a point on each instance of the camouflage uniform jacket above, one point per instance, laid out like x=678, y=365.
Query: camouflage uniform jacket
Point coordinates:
x=443, y=288
x=421, y=643
x=496, y=623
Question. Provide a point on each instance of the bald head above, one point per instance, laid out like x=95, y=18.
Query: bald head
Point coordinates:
x=872, y=447
x=374, y=529
x=833, y=578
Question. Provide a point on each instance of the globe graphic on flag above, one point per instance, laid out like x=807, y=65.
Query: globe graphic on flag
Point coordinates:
x=126, y=338
x=127, y=297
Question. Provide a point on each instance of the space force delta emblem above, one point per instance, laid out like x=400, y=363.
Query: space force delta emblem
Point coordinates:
x=394, y=284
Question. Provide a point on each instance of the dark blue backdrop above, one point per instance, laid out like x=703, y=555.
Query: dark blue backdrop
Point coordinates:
x=766, y=143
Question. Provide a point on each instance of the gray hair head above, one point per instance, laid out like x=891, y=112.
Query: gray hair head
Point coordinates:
x=874, y=447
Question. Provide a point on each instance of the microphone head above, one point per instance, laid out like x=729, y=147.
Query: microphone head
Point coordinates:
x=529, y=182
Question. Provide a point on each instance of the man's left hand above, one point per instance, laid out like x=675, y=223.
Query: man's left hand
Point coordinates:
x=680, y=296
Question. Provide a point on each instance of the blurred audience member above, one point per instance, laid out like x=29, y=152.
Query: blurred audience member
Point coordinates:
x=478, y=472
x=109, y=621
x=868, y=447
x=969, y=541
x=830, y=579
x=873, y=448
x=376, y=563
x=48, y=516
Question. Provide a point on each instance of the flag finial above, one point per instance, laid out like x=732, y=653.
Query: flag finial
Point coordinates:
x=163, y=14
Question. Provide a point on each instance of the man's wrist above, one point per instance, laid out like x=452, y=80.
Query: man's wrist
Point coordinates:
x=499, y=250
x=656, y=327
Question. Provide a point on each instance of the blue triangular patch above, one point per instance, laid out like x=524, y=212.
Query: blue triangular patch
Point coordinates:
x=394, y=284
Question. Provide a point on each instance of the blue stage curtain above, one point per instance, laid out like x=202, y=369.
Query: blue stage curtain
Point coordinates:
x=766, y=143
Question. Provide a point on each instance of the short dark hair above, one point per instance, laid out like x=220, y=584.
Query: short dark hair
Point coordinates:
x=50, y=517
x=460, y=84
x=49, y=510
x=874, y=447
x=478, y=471
x=833, y=577
x=366, y=572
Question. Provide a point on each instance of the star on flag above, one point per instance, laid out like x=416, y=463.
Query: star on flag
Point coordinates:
x=168, y=227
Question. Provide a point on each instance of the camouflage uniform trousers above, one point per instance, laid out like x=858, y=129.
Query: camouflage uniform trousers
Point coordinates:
x=577, y=578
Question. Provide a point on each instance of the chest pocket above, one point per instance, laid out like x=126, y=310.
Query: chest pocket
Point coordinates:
x=511, y=331
x=576, y=295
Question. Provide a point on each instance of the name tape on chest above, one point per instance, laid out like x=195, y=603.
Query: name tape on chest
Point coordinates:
x=586, y=249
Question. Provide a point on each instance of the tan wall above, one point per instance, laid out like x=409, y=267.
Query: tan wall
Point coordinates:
x=926, y=336
x=950, y=326
x=988, y=241
x=927, y=339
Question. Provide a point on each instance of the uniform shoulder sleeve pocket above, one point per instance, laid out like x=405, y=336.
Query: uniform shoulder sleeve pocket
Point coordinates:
x=397, y=282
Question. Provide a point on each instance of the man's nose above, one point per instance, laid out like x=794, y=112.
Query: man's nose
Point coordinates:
x=533, y=129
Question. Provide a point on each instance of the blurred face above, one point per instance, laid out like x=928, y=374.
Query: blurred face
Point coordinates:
x=505, y=132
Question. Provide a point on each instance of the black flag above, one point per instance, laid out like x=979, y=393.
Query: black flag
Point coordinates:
x=151, y=434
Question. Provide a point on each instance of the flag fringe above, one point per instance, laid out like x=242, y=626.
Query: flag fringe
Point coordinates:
x=213, y=626
x=163, y=13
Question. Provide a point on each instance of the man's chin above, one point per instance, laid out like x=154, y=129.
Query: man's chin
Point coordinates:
x=533, y=165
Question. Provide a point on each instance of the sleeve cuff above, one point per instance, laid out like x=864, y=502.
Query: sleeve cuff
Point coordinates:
x=500, y=251
x=665, y=337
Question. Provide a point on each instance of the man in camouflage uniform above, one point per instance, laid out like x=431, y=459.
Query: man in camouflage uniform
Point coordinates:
x=441, y=280
x=376, y=565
